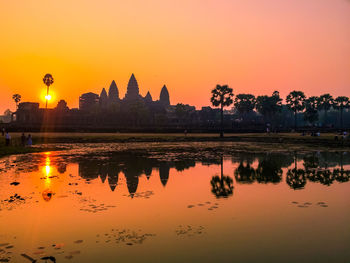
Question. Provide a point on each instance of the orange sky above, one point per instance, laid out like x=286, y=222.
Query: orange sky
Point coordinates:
x=255, y=46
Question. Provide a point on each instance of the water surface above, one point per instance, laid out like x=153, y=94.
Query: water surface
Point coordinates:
x=120, y=207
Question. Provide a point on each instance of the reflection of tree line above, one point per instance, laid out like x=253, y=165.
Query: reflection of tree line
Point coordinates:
x=317, y=167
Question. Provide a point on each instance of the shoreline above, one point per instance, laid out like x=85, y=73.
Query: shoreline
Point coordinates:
x=286, y=142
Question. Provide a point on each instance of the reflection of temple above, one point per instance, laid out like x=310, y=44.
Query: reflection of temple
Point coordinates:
x=262, y=169
x=132, y=167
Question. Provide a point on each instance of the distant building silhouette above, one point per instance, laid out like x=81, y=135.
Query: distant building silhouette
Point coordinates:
x=103, y=100
x=113, y=93
x=164, y=97
x=132, y=92
x=88, y=101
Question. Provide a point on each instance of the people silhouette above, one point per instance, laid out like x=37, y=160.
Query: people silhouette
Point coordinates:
x=29, y=140
x=7, y=138
x=23, y=139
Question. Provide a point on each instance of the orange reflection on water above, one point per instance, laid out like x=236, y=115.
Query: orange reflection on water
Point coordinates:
x=47, y=169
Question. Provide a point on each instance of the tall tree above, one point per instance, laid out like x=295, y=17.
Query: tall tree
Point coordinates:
x=17, y=98
x=325, y=102
x=222, y=97
x=245, y=103
x=296, y=102
x=311, y=110
x=341, y=103
x=269, y=106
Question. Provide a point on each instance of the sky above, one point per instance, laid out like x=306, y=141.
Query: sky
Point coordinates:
x=254, y=46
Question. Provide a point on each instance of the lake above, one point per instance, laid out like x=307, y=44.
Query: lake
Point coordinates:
x=123, y=207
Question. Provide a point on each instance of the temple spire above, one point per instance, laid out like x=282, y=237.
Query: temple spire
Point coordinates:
x=132, y=91
x=148, y=97
x=164, y=97
x=103, y=98
x=113, y=93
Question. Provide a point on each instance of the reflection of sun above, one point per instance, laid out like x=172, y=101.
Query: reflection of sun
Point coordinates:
x=47, y=169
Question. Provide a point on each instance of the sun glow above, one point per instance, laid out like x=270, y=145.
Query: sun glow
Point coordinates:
x=51, y=97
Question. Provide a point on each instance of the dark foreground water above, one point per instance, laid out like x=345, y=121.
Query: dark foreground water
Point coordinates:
x=123, y=208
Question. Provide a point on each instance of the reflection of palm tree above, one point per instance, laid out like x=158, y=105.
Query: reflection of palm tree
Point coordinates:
x=269, y=171
x=245, y=173
x=296, y=178
x=311, y=162
x=326, y=177
x=339, y=174
x=222, y=186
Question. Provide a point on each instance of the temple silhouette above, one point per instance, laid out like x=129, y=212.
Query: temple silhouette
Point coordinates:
x=90, y=101
x=101, y=111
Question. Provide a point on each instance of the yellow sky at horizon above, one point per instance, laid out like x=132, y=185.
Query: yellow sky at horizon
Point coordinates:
x=254, y=46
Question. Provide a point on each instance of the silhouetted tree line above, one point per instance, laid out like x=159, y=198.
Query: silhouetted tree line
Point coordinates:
x=248, y=113
x=251, y=111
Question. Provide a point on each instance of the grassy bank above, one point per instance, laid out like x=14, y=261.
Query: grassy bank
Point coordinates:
x=258, y=141
x=282, y=138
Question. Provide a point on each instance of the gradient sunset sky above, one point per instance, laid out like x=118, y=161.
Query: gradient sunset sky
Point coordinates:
x=254, y=46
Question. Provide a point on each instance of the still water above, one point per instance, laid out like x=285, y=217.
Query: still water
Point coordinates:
x=125, y=208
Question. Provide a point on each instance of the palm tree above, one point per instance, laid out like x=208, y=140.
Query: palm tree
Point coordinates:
x=341, y=103
x=17, y=98
x=296, y=102
x=325, y=102
x=311, y=109
x=245, y=103
x=268, y=106
x=222, y=96
x=48, y=81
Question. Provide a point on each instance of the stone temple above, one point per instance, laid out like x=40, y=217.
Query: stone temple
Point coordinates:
x=90, y=100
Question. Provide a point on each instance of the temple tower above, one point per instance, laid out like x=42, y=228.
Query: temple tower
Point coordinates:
x=132, y=92
x=113, y=93
x=103, y=98
x=148, y=97
x=164, y=96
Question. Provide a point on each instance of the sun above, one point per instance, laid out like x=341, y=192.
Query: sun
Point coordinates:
x=48, y=97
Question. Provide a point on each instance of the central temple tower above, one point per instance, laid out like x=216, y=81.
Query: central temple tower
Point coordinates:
x=132, y=92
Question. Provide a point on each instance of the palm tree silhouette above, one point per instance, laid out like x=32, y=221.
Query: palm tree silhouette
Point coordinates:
x=17, y=98
x=222, y=187
x=48, y=81
x=221, y=96
x=296, y=102
x=341, y=103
